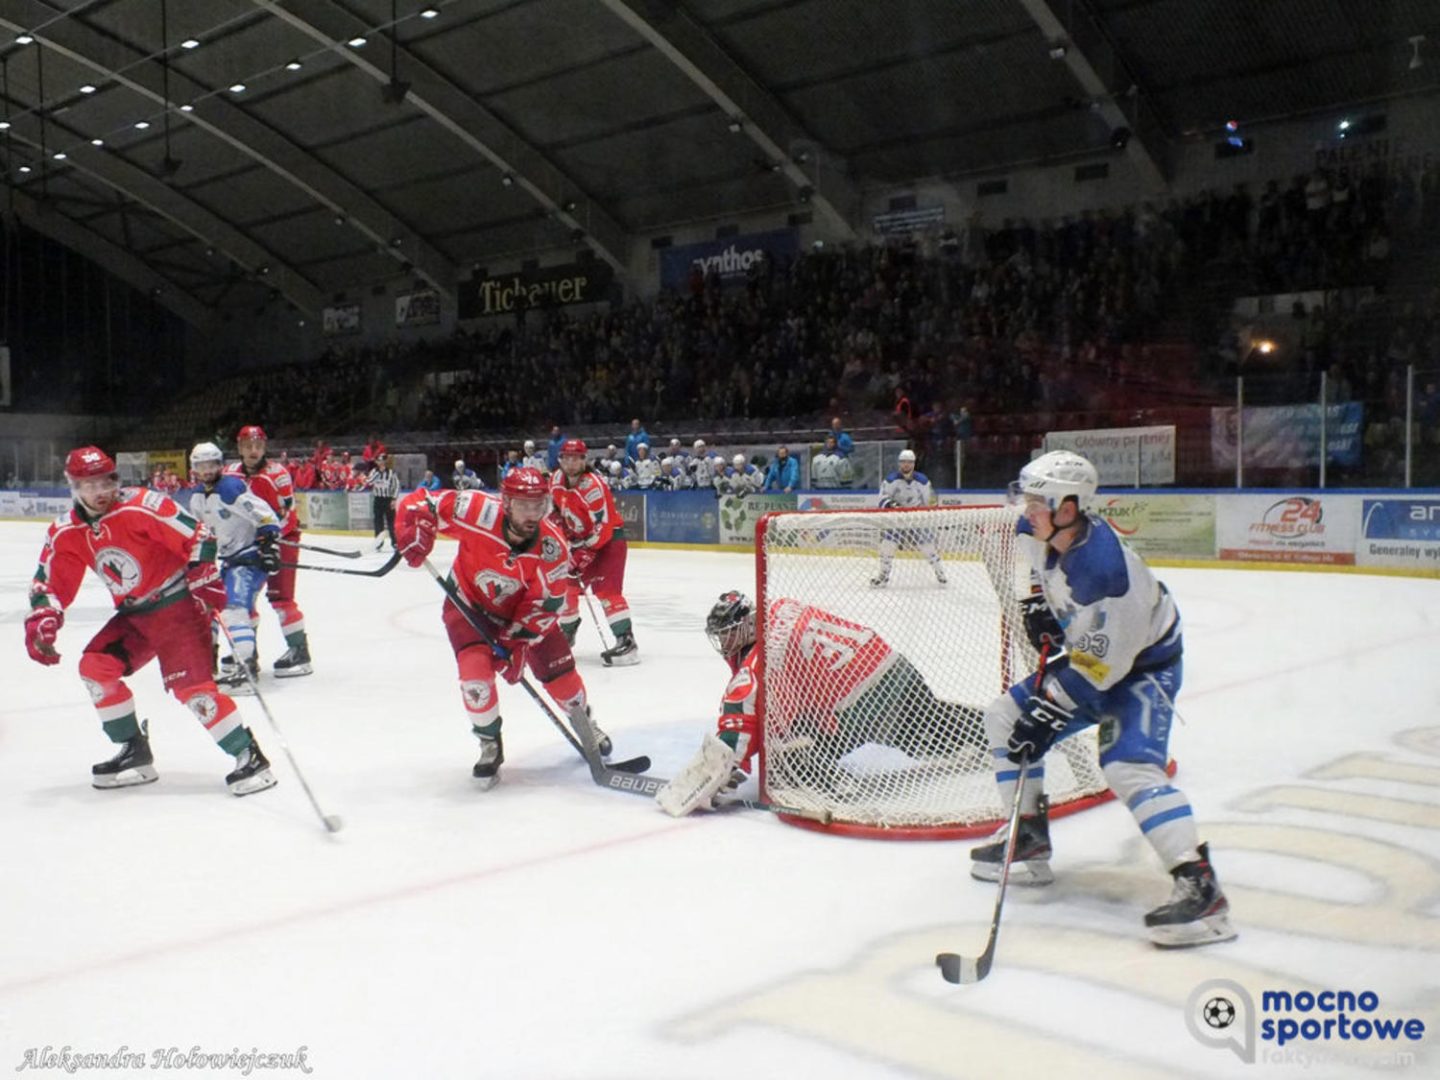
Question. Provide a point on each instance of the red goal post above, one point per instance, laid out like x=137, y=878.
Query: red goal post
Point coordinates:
x=871, y=697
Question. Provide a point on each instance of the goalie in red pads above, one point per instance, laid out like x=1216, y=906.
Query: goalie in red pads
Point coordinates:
x=512, y=569
x=596, y=531
x=159, y=565
x=833, y=686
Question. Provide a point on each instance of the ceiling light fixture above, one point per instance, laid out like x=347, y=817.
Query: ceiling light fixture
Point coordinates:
x=237, y=88
x=356, y=43
x=24, y=168
x=187, y=108
x=294, y=65
x=87, y=89
x=506, y=181
x=60, y=155
x=429, y=13
x=141, y=125
x=189, y=43
x=97, y=142
x=4, y=125
x=24, y=39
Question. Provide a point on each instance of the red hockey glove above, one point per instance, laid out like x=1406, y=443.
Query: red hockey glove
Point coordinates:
x=512, y=667
x=581, y=558
x=415, y=534
x=203, y=579
x=42, y=626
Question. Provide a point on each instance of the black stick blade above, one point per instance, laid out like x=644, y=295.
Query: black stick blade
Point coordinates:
x=962, y=969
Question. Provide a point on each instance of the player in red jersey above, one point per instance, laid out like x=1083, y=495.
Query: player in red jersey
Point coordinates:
x=512, y=569
x=832, y=685
x=597, y=535
x=159, y=565
x=271, y=482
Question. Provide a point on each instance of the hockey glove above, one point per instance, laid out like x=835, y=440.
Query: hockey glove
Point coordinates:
x=1040, y=724
x=416, y=534
x=267, y=542
x=42, y=626
x=581, y=559
x=1041, y=625
x=203, y=580
x=511, y=667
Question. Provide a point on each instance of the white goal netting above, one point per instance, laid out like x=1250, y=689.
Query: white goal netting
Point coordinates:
x=872, y=696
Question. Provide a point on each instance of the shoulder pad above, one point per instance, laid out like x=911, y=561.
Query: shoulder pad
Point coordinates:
x=920, y=477
x=230, y=488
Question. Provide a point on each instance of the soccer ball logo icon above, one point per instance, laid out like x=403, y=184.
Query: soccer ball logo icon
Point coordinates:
x=1219, y=1012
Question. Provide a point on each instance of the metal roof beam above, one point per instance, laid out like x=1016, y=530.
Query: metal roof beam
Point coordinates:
x=128, y=66
x=456, y=110
x=763, y=119
x=1088, y=54
x=44, y=218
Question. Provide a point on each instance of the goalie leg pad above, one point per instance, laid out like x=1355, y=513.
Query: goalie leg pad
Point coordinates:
x=697, y=783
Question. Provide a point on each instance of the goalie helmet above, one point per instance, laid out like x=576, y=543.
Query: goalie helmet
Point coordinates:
x=730, y=626
x=206, y=453
x=1056, y=476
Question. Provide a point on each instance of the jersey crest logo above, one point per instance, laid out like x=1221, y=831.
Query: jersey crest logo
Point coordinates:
x=496, y=587
x=118, y=569
x=549, y=548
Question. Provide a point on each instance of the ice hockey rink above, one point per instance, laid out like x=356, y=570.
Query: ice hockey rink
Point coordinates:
x=550, y=928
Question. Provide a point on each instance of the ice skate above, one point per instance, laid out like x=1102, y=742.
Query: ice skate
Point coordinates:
x=251, y=772
x=880, y=580
x=603, y=745
x=1197, y=912
x=296, y=661
x=132, y=765
x=940, y=577
x=487, y=767
x=624, y=653
x=234, y=681
x=1030, y=864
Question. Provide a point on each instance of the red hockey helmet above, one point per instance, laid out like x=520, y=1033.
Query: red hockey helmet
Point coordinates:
x=252, y=431
x=574, y=446
x=524, y=484
x=87, y=461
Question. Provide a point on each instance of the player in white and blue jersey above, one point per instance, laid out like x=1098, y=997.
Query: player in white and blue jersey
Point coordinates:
x=905, y=487
x=248, y=534
x=1122, y=669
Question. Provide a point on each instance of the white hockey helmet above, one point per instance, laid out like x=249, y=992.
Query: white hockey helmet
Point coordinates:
x=1057, y=476
x=907, y=455
x=738, y=461
x=529, y=445
x=614, y=467
x=206, y=453
x=699, y=444
x=459, y=464
x=666, y=462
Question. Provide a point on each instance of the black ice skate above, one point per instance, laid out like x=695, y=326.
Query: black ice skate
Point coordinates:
x=1197, y=912
x=624, y=653
x=492, y=756
x=234, y=681
x=296, y=661
x=251, y=772
x=603, y=745
x=133, y=765
x=1031, y=862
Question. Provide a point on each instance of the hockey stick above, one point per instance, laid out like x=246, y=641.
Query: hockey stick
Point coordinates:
x=322, y=550
x=964, y=969
x=599, y=622
x=331, y=822
x=477, y=623
x=379, y=571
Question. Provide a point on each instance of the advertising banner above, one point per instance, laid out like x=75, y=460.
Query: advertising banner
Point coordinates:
x=835, y=500
x=342, y=319
x=631, y=505
x=41, y=503
x=901, y=222
x=1287, y=436
x=1124, y=457
x=417, y=308
x=732, y=258
x=1288, y=528
x=1163, y=526
x=361, y=509
x=323, y=509
x=738, y=515
x=682, y=517
x=1403, y=533
x=543, y=287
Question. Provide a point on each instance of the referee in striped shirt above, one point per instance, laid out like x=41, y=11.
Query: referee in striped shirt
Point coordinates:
x=384, y=484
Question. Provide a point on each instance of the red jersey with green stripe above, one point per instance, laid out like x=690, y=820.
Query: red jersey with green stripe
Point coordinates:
x=139, y=549
x=816, y=664
x=521, y=586
x=588, y=495
x=272, y=483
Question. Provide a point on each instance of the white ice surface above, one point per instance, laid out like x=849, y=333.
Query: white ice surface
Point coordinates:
x=549, y=928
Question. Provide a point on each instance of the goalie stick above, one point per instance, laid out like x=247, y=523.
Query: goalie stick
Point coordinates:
x=379, y=571
x=477, y=622
x=955, y=968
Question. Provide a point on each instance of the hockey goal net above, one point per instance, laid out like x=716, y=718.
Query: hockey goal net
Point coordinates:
x=872, y=696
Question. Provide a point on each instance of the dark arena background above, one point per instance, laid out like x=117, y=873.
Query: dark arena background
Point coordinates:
x=1194, y=241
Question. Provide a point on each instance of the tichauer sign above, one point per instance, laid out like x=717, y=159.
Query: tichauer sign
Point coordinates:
x=551, y=286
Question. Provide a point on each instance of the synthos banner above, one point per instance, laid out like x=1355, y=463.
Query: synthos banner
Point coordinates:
x=550, y=286
x=1287, y=436
x=1124, y=457
x=732, y=258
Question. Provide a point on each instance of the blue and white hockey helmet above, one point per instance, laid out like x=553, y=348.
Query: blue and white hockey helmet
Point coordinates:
x=1056, y=476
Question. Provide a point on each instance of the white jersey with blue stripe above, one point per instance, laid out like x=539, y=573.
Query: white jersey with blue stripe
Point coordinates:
x=903, y=491
x=1118, y=619
x=232, y=513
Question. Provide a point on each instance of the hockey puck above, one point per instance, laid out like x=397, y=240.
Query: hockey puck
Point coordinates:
x=333, y=822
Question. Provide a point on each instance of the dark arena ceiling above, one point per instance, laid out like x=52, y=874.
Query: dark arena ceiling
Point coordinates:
x=219, y=150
